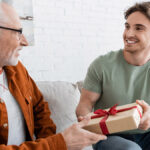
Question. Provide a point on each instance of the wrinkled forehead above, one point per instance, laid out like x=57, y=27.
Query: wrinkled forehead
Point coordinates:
x=8, y=16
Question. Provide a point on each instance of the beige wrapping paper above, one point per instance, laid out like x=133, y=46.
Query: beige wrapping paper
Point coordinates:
x=122, y=121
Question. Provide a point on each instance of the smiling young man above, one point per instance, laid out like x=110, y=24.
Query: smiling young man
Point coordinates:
x=123, y=77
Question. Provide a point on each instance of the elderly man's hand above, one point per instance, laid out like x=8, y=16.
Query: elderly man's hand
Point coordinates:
x=145, y=120
x=77, y=138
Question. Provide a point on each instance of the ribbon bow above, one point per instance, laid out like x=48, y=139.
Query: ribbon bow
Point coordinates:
x=100, y=112
x=105, y=114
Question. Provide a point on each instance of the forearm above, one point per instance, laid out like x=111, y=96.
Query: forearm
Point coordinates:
x=87, y=101
x=55, y=142
x=83, y=108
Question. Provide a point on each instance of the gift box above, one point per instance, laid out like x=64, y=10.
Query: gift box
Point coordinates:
x=115, y=119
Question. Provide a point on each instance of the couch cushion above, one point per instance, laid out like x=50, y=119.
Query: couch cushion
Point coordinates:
x=63, y=98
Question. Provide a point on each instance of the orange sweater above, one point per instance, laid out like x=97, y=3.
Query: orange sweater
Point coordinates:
x=35, y=111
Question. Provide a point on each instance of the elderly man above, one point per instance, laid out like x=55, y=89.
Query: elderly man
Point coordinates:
x=23, y=111
x=122, y=77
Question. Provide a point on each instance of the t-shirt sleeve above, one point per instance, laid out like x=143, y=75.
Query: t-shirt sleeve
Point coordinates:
x=93, y=79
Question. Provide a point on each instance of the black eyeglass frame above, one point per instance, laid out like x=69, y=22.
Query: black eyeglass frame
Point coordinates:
x=12, y=29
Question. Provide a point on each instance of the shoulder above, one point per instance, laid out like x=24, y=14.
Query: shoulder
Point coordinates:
x=106, y=59
x=111, y=56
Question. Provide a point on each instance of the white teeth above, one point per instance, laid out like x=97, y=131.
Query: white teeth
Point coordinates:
x=131, y=42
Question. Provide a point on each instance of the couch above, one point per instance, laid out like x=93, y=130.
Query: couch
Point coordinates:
x=62, y=98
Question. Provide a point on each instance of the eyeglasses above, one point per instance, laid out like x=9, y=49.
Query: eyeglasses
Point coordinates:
x=16, y=30
x=12, y=29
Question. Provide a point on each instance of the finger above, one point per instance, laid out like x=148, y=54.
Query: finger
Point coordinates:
x=145, y=121
x=143, y=104
x=145, y=117
x=97, y=138
x=143, y=126
x=93, y=136
x=84, y=122
x=80, y=118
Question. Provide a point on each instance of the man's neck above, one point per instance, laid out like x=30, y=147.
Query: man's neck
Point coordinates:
x=136, y=59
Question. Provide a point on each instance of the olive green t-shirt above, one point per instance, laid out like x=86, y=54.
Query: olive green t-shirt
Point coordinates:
x=117, y=81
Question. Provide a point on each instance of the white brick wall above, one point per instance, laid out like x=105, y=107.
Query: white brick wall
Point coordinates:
x=69, y=34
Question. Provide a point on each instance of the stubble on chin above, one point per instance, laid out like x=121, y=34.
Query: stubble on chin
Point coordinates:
x=130, y=50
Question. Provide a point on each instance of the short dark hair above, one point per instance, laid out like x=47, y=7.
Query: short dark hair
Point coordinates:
x=143, y=7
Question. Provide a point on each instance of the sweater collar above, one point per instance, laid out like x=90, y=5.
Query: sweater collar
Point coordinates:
x=10, y=72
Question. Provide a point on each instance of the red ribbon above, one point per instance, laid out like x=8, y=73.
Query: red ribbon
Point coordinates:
x=112, y=111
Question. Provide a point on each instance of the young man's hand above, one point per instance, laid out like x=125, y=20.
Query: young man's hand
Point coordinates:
x=145, y=120
x=80, y=118
x=77, y=138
